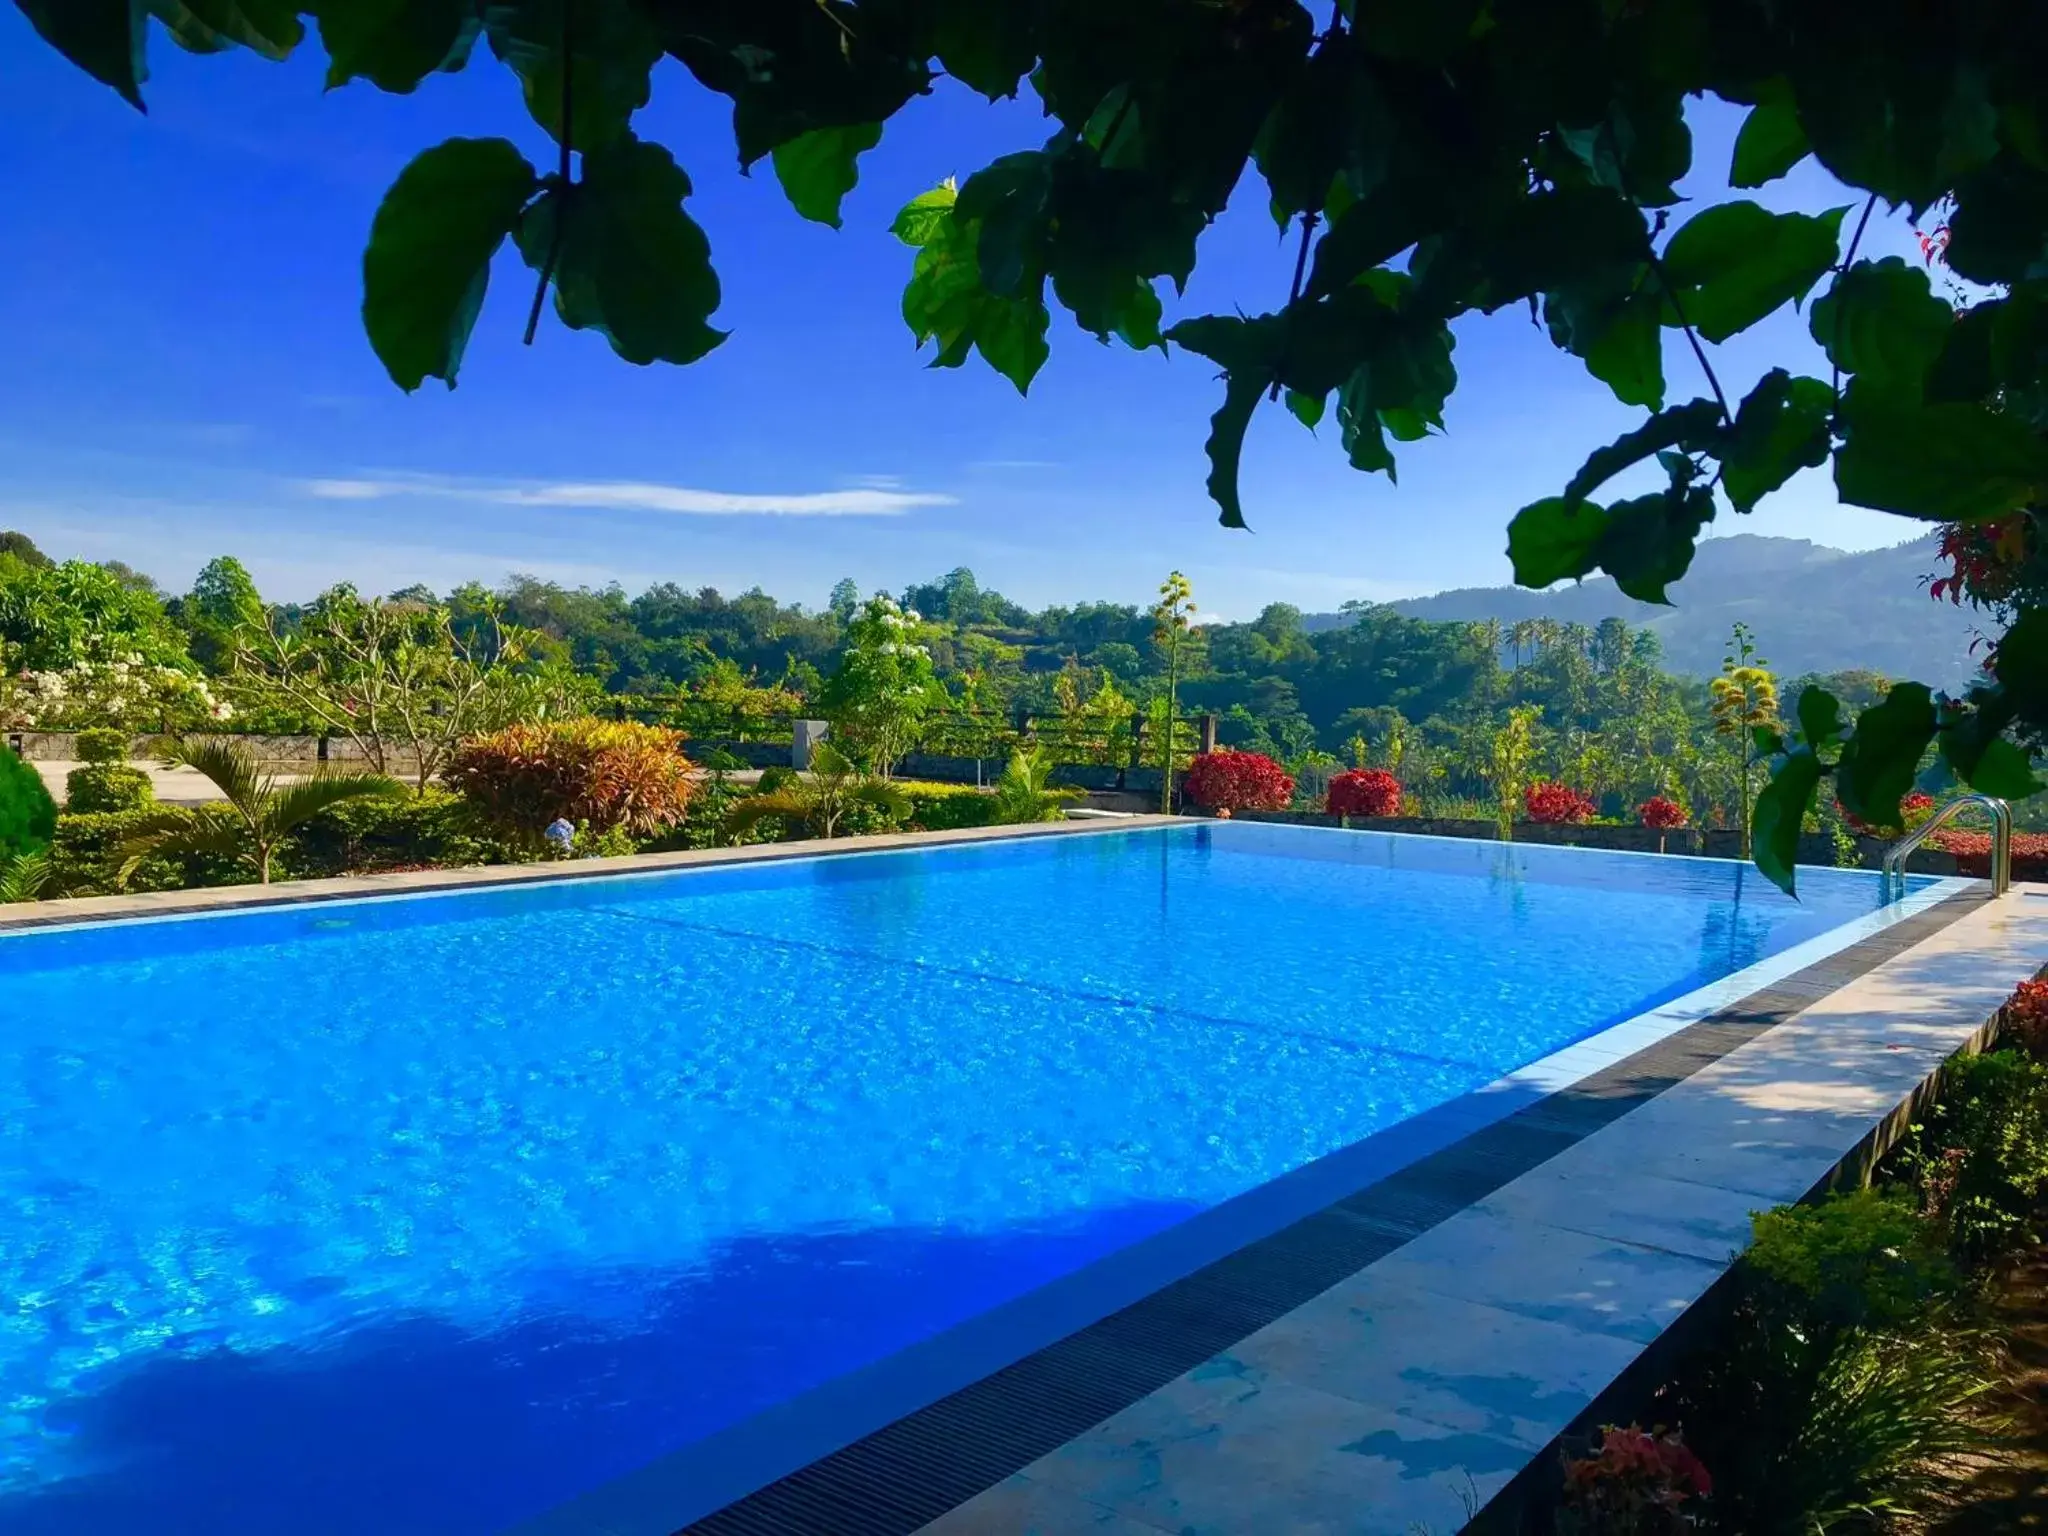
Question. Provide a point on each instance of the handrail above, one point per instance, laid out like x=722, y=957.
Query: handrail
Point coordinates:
x=2001, y=840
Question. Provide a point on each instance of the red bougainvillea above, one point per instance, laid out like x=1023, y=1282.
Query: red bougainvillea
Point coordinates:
x=1238, y=781
x=1552, y=803
x=1662, y=815
x=1364, y=792
x=1635, y=1480
x=2026, y=1017
x=1973, y=853
x=1913, y=810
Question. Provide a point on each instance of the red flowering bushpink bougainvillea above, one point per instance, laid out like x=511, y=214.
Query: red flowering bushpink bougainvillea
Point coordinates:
x=1913, y=809
x=1364, y=792
x=1661, y=814
x=1237, y=781
x=1551, y=803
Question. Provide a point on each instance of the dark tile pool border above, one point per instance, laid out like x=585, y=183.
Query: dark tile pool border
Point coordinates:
x=910, y=1472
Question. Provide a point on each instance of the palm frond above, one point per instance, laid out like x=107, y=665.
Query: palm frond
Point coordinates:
x=828, y=762
x=748, y=812
x=292, y=805
x=881, y=795
x=231, y=766
x=178, y=831
x=25, y=876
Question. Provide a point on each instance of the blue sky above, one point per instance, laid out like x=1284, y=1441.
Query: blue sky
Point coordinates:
x=187, y=376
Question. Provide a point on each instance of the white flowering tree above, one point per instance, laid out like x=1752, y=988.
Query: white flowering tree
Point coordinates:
x=123, y=691
x=884, y=686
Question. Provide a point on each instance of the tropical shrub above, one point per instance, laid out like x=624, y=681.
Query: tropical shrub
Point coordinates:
x=257, y=811
x=86, y=857
x=1237, y=781
x=1914, y=809
x=105, y=786
x=101, y=745
x=1026, y=793
x=1980, y=1158
x=28, y=816
x=835, y=797
x=434, y=830
x=1662, y=815
x=1550, y=803
x=2025, y=1018
x=1364, y=792
x=946, y=807
x=1865, y=1258
x=1841, y=1383
x=609, y=773
x=1633, y=1482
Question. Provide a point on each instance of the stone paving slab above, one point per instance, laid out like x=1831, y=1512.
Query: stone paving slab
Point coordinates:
x=1472, y=1346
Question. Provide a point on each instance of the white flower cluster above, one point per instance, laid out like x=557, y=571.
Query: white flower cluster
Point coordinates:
x=121, y=691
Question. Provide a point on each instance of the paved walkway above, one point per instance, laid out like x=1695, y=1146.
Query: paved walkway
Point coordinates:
x=1404, y=1398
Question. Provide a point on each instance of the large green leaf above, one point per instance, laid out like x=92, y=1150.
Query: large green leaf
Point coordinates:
x=628, y=262
x=1771, y=141
x=1882, y=756
x=989, y=45
x=612, y=54
x=102, y=37
x=1691, y=426
x=1614, y=327
x=1882, y=323
x=1226, y=444
x=947, y=302
x=1781, y=427
x=268, y=27
x=1645, y=543
x=429, y=257
x=1731, y=265
x=1945, y=463
x=395, y=44
x=820, y=168
x=1780, y=813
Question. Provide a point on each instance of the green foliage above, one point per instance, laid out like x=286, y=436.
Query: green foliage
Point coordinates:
x=1864, y=1259
x=1025, y=793
x=1980, y=1157
x=834, y=796
x=1455, y=158
x=28, y=816
x=883, y=687
x=257, y=814
x=101, y=745
x=429, y=259
x=107, y=787
x=57, y=616
x=89, y=854
x=947, y=807
x=24, y=876
x=438, y=829
x=601, y=773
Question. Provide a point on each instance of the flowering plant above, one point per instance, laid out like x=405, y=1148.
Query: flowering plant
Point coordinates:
x=124, y=691
x=2026, y=1017
x=1913, y=810
x=1238, y=781
x=1661, y=814
x=1634, y=1483
x=1551, y=803
x=1364, y=792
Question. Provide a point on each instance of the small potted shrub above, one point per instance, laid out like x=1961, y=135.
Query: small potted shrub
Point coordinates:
x=1223, y=782
x=1550, y=803
x=1364, y=792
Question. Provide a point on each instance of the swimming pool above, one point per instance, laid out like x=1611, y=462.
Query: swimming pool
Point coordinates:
x=423, y=1214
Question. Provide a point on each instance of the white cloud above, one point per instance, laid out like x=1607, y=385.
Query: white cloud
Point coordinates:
x=632, y=496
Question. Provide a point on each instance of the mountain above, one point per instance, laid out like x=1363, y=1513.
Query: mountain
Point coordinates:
x=1812, y=609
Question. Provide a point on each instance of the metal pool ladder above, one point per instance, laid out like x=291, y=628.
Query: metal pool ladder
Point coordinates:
x=1893, y=867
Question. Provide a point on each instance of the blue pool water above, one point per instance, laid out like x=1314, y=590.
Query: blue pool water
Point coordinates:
x=422, y=1215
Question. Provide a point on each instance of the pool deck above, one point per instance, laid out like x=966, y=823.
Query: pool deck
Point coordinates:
x=1407, y=1395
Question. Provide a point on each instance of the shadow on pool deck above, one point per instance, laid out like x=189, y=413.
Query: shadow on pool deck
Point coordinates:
x=419, y=1428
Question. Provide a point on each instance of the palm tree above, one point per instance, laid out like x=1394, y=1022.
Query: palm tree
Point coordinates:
x=259, y=812
x=1025, y=791
x=820, y=799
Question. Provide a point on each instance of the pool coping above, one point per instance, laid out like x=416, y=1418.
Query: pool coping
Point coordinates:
x=71, y=911
x=952, y=1442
